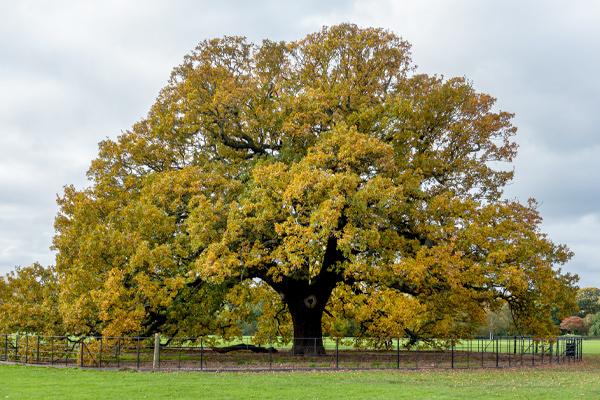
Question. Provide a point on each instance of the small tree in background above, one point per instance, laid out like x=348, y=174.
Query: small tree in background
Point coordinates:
x=594, y=325
x=588, y=301
x=574, y=325
x=498, y=323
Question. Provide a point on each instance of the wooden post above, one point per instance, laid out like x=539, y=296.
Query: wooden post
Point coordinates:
x=156, y=358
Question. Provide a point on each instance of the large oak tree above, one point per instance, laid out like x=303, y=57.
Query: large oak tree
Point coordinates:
x=323, y=177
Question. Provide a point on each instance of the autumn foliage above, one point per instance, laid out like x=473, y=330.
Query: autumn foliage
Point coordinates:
x=573, y=324
x=29, y=301
x=323, y=182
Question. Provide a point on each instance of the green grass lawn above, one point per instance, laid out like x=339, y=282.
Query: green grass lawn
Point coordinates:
x=570, y=381
x=591, y=347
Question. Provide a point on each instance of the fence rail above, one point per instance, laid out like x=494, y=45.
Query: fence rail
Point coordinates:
x=214, y=353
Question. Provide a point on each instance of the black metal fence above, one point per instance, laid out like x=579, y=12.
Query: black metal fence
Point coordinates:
x=214, y=353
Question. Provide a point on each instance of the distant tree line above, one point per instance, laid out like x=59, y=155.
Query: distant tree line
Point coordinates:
x=587, y=320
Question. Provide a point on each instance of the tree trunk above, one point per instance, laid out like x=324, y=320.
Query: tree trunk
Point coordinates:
x=308, y=333
x=306, y=301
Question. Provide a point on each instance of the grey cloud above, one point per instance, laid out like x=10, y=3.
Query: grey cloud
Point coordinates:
x=73, y=73
x=540, y=59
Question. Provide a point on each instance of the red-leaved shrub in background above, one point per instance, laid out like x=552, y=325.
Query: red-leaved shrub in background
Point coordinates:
x=572, y=324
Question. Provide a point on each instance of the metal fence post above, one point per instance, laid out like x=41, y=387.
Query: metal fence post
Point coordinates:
x=137, y=353
x=156, y=356
x=398, y=353
x=118, y=352
x=37, y=350
x=52, y=350
x=179, y=354
x=26, y=348
x=469, y=349
x=480, y=346
x=201, y=353
x=417, y=355
x=497, y=354
x=100, y=356
x=452, y=356
x=17, y=356
x=270, y=353
x=6, y=347
x=81, y=350
x=558, y=351
x=522, y=348
x=337, y=353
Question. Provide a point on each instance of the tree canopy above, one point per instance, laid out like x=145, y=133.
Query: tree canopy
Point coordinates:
x=323, y=182
x=29, y=301
x=588, y=301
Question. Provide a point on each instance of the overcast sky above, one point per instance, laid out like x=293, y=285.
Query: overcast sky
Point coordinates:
x=75, y=72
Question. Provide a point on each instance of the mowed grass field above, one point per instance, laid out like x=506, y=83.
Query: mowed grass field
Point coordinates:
x=591, y=347
x=567, y=381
